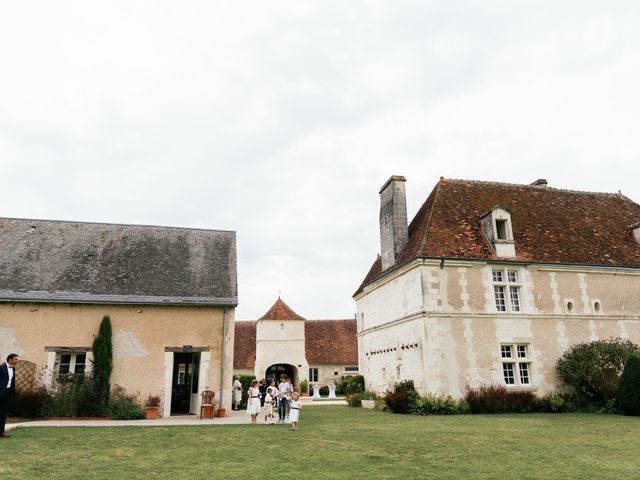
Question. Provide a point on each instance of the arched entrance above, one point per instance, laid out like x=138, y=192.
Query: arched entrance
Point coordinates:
x=274, y=372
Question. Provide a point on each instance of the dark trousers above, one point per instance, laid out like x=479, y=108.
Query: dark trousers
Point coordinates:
x=4, y=408
x=282, y=408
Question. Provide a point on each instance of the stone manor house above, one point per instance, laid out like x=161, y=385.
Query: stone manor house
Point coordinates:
x=491, y=283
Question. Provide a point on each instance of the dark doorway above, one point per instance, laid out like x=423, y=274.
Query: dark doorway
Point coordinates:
x=274, y=372
x=185, y=381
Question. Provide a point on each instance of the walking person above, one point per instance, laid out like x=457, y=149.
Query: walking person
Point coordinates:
x=283, y=398
x=263, y=391
x=253, y=402
x=236, y=398
x=295, y=405
x=7, y=387
x=268, y=406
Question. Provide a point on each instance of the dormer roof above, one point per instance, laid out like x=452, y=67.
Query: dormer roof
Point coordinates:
x=280, y=311
x=549, y=225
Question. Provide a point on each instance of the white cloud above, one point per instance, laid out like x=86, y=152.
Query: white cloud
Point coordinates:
x=281, y=120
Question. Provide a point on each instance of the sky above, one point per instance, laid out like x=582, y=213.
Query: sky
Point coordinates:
x=282, y=120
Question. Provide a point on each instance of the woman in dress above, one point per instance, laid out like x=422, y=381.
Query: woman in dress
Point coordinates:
x=253, y=402
x=236, y=397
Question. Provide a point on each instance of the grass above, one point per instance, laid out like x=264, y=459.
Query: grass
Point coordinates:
x=338, y=442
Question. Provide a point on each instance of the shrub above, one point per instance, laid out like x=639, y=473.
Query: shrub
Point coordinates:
x=245, y=380
x=497, y=399
x=557, y=403
x=593, y=369
x=629, y=387
x=77, y=397
x=304, y=386
x=403, y=398
x=324, y=391
x=354, y=400
x=102, y=361
x=341, y=387
x=355, y=384
x=397, y=402
x=124, y=406
x=31, y=403
x=432, y=404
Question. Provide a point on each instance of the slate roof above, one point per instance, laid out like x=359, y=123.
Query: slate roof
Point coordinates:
x=77, y=262
x=549, y=225
x=326, y=342
x=280, y=311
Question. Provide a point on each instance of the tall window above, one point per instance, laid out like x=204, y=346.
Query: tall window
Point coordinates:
x=313, y=375
x=506, y=290
x=516, y=364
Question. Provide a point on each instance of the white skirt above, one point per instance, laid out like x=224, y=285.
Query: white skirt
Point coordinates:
x=253, y=406
x=293, y=415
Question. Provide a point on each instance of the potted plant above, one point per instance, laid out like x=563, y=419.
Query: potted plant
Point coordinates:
x=151, y=406
x=368, y=399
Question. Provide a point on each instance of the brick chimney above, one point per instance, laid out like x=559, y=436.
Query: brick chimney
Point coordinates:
x=394, y=231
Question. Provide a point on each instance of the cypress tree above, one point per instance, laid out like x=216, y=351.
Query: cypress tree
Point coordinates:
x=629, y=387
x=103, y=360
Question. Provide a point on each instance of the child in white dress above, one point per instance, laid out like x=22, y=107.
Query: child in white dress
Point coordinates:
x=253, y=402
x=295, y=404
x=268, y=407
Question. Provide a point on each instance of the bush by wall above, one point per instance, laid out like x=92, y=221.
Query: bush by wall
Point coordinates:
x=433, y=404
x=103, y=361
x=33, y=403
x=355, y=384
x=304, y=386
x=497, y=399
x=245, y=380
x=593, y=369
x=355, y=399
x=124, y=406
x=629, y=387
x=403, y=397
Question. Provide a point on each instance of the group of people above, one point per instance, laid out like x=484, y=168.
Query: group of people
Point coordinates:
x=268, y=398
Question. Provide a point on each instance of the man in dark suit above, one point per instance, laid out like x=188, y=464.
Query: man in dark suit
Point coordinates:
x=7, y=387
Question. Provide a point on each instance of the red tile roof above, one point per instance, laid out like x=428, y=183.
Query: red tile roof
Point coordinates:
x=331, y=341
x=280, y=311
x=244, y=345
x=326, y=341
x=549, y=225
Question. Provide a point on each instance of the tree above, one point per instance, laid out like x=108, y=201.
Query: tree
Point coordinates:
x=103, y=360
x=629, y=387
x=593, y=369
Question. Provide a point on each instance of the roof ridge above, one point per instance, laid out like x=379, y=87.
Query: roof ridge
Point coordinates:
x=141, y=225
x=510, y=184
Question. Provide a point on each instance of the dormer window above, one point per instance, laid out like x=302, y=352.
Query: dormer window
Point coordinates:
x=496, y=226
x=636, y=231
x=501, y=230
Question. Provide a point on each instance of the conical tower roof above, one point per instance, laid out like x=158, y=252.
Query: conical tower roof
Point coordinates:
x=280, y=311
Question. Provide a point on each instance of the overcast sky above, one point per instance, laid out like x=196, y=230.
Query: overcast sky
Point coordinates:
x=282, y=120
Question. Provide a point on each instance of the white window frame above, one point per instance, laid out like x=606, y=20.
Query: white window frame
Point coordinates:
x=516, y=360
x=507, y=290
x=313, y=374
x=73, y=363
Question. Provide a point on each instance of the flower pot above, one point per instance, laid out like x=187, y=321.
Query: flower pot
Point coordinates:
x=151, y=413
x=368, y=403
x=220, y=413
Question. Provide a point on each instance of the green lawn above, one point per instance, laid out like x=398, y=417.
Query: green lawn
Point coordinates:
x=338, y=442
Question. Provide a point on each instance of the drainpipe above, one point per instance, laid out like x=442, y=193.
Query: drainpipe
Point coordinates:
x=224, y=336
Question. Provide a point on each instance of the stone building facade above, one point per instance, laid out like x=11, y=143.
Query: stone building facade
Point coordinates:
x=170, y=294
x=281, y=341
x=491, y=283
